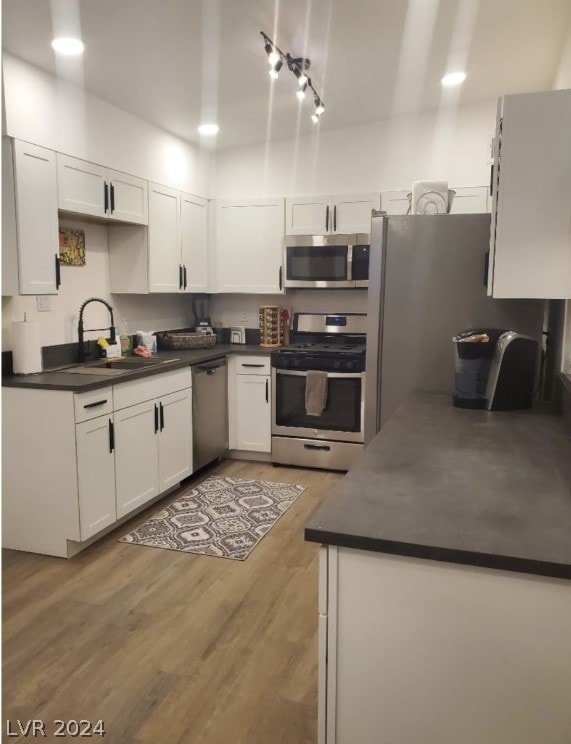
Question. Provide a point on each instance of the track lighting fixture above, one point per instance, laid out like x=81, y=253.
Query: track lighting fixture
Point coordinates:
x=299, y=66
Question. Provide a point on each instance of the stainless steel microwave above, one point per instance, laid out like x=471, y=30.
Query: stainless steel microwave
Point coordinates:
x=326, y=261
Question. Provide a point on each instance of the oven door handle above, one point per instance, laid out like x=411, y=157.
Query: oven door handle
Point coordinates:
x=344, y=375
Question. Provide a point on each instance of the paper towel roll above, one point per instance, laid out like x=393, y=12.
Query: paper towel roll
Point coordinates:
x=26, y=349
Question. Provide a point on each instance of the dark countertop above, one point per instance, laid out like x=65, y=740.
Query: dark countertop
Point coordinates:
x=60, y=380
x=480, y=488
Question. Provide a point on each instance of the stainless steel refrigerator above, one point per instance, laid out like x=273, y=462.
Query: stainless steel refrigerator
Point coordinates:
x=426, y=283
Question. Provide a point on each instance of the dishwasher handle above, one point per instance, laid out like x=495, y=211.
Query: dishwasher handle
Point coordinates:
x=210, y=368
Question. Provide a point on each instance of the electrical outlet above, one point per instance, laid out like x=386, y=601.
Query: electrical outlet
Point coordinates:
x=245, y=317
x=43, y=303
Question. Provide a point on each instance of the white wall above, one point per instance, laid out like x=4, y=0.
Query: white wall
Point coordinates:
x=132, y=313
x=243, y=310
x=452, y=145
x=43, y=109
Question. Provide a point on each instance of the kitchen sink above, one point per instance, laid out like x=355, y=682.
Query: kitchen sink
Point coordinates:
x=114, y=367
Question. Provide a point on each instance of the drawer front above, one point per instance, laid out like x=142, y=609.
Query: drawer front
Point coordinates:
x=252, y=365
x=92, y=404
x=147, y=388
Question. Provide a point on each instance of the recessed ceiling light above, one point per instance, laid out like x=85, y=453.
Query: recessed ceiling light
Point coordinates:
x=68, y=45
x=208, y=130
x=453, y=78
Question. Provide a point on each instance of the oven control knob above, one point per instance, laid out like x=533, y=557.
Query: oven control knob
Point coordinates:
x=337, y=365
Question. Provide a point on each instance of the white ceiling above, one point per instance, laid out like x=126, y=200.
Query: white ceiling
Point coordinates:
x=172, y=62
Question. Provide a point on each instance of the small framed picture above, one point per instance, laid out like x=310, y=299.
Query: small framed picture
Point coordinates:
x=71, y=247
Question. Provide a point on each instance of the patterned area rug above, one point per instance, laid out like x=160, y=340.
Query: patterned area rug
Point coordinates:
x=225, y=517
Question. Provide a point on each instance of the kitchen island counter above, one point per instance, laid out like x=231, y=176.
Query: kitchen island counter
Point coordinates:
x=57, y=379
x=490, y=489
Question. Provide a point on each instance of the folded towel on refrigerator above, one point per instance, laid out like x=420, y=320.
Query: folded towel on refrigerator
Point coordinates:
x=429, y=197
x=315, y=392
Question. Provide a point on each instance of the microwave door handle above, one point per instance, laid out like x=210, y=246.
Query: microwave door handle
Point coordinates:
x=350, y=263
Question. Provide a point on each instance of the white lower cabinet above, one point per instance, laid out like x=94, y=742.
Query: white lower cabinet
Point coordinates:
x=249, y=403
x=136, y=456
x=253, y=419
x=175, y=438
x=98, y=456
x=95, y=475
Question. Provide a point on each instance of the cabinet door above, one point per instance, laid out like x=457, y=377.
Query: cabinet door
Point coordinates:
x=136, y=456
x=472, y=200
x=81, y=186
x=165, y=268
x=352, y=212
x=36, y=218
x=308, y=215
x=395, y=202
x=95, y=475
x=253, y=413
x=175, y=438
x=128, y=198
x=194, y=254
x=249, y=239
x=530, y=254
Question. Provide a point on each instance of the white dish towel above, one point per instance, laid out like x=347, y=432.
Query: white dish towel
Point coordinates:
x=429, y=197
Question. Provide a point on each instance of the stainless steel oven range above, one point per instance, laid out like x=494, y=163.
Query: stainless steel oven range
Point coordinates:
x=335, y=346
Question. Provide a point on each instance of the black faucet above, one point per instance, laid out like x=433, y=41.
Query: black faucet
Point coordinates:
x=80, y=328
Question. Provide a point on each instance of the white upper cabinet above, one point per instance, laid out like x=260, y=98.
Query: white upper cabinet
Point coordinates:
x=171, y=255
x=128, y=200
x=89, y=189
x=467, y=200
x=352, y=212
x=194, y=245
x=30, y=236
x=307, y=215
x=165, y=267
x=249, y=237
x=395, y=202
x=470, y=200
x=530, y=247
x=321, y=215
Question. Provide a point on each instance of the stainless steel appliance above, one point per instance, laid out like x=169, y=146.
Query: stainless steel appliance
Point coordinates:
x=512, y=373
x=426, y=281
x=209, y=411
x=335, y=345
x=326, y=261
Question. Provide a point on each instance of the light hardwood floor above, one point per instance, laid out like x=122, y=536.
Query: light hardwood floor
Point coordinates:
x=166, y=647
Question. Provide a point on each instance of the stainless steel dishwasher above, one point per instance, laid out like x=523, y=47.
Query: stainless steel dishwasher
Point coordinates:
x=209, y=411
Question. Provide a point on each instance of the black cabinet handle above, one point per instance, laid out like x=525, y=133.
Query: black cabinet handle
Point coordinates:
x=111, y=436
x=162, y=415
x=112, y=189
x=97, y=403
x=492, y=179
x=180, y=276
x=156, y=418
x=327, y=217
x=106, y=197
x=58, y=272
x=280, y=278
x=324, y=447
x=244, y=364
x=184, y=274
x=335, y=218
x=486, y=268
x=267, y=396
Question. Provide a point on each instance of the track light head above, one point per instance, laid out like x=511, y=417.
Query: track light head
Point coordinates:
x=314, y=118
x=273, y=58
